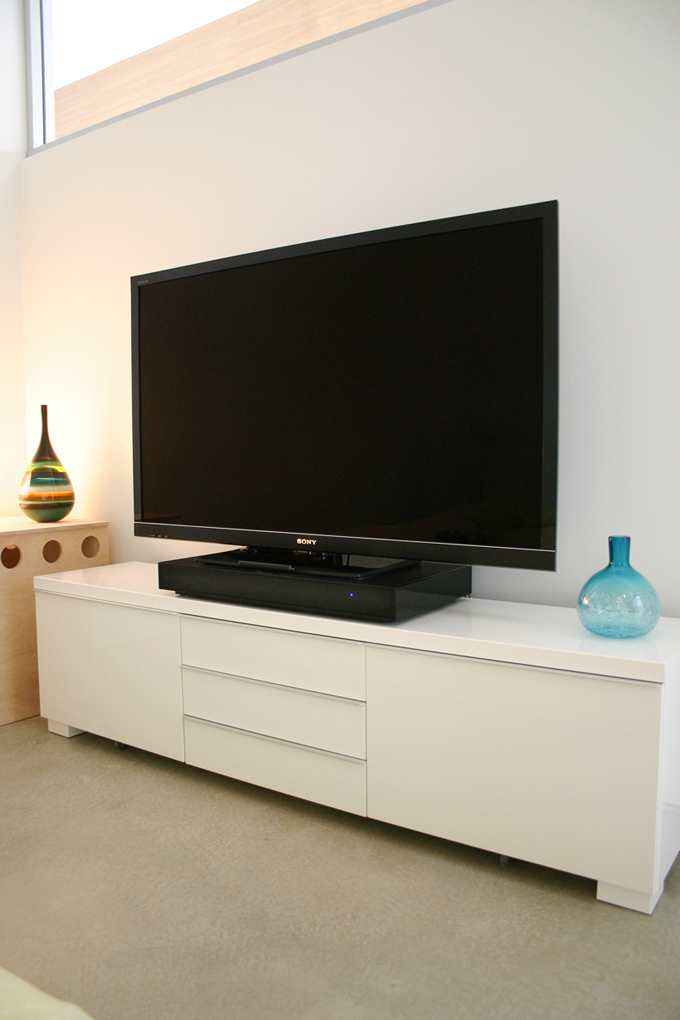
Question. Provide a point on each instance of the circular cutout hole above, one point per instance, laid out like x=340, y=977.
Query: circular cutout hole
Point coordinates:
x=52, y=551
x=90, y=546
x=10, y=556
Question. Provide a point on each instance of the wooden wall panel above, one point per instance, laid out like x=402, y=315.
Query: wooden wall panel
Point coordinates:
x=259, y=32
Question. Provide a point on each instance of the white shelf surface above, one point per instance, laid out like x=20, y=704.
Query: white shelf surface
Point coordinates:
x=549, y=637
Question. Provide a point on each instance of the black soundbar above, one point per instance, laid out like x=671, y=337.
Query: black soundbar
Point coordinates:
x=384, y=598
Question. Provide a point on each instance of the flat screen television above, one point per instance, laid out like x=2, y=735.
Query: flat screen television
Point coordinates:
x=385, y=394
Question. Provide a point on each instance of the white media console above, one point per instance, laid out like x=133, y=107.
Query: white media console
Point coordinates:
x=499, y=725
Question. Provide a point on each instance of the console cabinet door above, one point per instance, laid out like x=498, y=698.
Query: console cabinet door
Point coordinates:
x=111, y=670
x=556, y=768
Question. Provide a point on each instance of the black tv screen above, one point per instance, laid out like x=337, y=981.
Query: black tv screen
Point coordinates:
x=390, y=393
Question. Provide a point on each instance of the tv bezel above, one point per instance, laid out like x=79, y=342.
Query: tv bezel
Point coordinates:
x=476, y=555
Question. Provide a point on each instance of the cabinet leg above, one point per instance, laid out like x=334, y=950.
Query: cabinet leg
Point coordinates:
x=633, y=899
x=62, y=729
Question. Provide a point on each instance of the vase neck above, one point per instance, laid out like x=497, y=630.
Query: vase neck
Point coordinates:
x=44, y=451
x=619, y=550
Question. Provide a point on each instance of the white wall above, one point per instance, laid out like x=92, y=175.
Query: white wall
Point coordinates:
x=13, y=456
x=471, y=105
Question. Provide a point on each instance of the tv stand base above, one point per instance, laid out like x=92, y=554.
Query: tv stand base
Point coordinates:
x=381, y=596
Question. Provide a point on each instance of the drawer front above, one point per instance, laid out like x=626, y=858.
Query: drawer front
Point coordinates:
x=278, y=656
x=287, y=768
x=318, y=720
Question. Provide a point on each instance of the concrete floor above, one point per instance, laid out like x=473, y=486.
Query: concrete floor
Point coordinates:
x=143, y=889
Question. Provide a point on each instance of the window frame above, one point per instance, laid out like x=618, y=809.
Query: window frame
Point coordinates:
x=40, y=121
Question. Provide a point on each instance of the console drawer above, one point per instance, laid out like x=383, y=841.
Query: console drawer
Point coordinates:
x=318, y=720
x=278, y=656
x=289, y=768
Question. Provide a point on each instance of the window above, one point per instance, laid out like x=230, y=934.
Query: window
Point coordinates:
x=89, y=62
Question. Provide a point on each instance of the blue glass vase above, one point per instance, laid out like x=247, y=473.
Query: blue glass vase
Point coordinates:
x=617, y=601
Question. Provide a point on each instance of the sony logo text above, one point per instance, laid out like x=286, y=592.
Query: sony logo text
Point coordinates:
x=306, y=541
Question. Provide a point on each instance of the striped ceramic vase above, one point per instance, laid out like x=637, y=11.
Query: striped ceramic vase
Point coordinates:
x=46, y=492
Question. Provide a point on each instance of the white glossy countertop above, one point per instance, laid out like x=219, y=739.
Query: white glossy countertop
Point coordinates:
x=547, y=636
